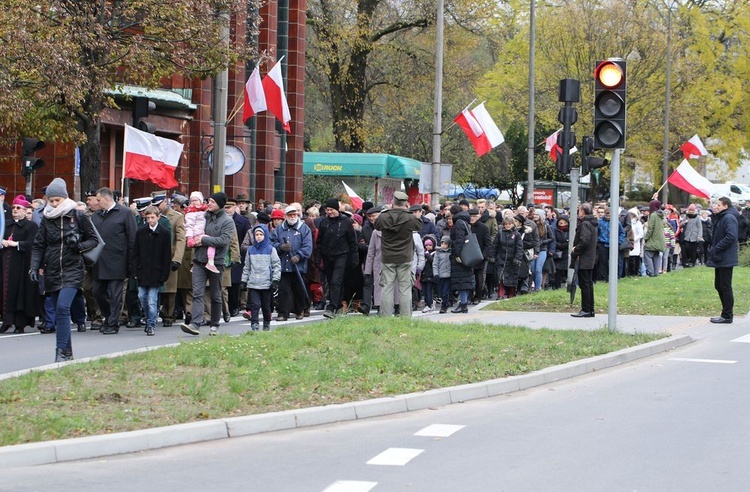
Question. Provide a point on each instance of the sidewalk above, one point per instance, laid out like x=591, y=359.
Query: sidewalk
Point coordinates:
x=683, y=330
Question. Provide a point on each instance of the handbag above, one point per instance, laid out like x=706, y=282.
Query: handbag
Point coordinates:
x=626, y=245
x=529, y=254
x=471, y=253
x=91, y=256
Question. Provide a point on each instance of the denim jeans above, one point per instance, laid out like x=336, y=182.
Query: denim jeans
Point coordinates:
x=444, y=285
x=149, y=297
x=463, y=297
x=62, y=299
x=536, y=268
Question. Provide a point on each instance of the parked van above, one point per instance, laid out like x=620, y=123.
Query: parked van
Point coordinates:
x=737, y=192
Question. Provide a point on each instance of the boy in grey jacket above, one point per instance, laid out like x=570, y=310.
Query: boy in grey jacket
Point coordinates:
x=261, y=276
x=441, y=268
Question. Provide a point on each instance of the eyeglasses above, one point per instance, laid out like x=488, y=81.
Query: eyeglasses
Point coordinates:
x=16, y=207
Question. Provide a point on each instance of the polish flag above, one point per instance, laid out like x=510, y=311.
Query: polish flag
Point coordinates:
x=273, y=86
x=481, y=129
x=356, y=199
x=551, y=146
x=687, y=179
x=693, y=148
x=255, y=98
x=151, y=158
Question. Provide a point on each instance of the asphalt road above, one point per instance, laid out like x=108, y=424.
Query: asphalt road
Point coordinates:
x=672, y=422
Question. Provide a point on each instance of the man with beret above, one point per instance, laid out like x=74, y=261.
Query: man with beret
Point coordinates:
x=218, y=234
x=336, y=247
x=177, y=223
x=397, y=226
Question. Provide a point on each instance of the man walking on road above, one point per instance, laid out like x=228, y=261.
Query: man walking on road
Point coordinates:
x=584, y=251
x=724, y=255
x=397, y=252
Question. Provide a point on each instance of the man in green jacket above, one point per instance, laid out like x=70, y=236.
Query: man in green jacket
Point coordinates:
x=397, y=226
x=654, y=243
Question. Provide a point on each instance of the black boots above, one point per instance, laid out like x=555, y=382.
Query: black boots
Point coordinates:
x=64, y=355
x=461, y=308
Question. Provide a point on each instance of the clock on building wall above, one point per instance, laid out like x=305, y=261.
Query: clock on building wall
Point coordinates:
x=234, y=160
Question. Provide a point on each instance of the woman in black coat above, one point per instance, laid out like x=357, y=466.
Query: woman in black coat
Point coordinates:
x=562, y=238
x=508, y=253
x=462, y=277
x=63, y=234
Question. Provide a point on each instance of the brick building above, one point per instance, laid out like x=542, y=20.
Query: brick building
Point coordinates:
x=183, y=111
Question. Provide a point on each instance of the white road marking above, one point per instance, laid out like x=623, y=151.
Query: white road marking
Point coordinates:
x=395, y=456
x=16, y=335
x=350, y=486
x=708, y=361
x=743, y=339
x=439, y=430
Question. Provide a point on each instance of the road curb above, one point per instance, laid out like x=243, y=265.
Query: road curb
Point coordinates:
x=144, y=440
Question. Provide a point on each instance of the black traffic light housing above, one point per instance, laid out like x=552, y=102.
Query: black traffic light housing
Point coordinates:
x=610, y=91
x=588, y=161
x=29, y=163
x=140, y=110
x=569, y=92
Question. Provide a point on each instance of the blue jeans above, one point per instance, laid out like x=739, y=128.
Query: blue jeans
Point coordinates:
x=445, y=291
x=62, y=299
x=536, y=268
x=463, y=297
x=149, y=297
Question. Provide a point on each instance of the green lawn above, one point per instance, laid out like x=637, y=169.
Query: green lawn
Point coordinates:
x=688, y=292
x=347, y=359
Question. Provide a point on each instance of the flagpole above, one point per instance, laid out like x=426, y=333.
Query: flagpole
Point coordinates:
x=235, y=110
x=124, y=147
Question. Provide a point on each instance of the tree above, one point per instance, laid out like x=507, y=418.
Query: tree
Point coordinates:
x=60, y=56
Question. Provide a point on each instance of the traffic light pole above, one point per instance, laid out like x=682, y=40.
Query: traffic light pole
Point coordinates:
x=575, y=174
x=614, y=227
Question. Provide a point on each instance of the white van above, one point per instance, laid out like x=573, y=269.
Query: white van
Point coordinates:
x=738, y=193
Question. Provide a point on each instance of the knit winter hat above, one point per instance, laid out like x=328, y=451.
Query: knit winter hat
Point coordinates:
x=277, y=214
x=57, y=188
x=332, y=203
x=220, y=198
x=654, y=205
x=445, y=239
x=691, y=208
x=198, y=195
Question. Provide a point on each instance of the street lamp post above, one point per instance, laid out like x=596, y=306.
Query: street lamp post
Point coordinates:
x=532, y=55
x=667, y=95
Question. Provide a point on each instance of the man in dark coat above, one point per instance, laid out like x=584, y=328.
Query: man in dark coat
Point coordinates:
x=584, y=252
x=482, y=232
x=462, y=277
x=242, y=224
x=336, y=246
x=6, y=207
x=19, y=296
x=724, y=255
x=116, y=225
x=428, y=227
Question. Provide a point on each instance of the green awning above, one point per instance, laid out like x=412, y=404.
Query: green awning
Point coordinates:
x=351, y=164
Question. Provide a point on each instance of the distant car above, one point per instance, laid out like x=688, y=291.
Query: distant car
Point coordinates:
x=738, y=193
x=471, y=192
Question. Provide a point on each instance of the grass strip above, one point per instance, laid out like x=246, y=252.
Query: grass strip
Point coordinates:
x=344, y=360
x=684, y=292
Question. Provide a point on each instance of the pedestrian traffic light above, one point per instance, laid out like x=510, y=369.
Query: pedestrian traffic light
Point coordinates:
x=29, y=163
x=610, y=78
x=588, y=161
x=568, y=93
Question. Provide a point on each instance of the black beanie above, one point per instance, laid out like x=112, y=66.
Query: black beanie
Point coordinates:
x=332, y=203
x=220, y=198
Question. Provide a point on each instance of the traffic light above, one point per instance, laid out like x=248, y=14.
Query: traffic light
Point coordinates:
x=610, y=77
x=29, y=163
x=588, y=161
x=141, y=106
x=568, y=93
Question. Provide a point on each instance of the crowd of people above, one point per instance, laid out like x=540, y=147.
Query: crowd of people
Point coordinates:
x=201, y=260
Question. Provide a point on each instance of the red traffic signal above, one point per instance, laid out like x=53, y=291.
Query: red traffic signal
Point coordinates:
x=610, y=77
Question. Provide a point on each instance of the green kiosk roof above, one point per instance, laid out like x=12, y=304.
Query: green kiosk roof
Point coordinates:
x=351, y=164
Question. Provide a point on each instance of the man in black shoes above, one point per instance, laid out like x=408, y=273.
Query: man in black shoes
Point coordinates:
x=584, y=252
x=336, y=247
x=724, y=255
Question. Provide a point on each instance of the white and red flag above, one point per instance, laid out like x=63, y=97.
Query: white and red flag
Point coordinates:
x=693, y=148
x=151, y=158
x=686, y=178
x=554, y=149
x=356, y=199
x=273, y=86
x=255, y=97
x=481, y=129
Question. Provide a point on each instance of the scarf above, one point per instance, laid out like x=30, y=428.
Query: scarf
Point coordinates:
x=63, y=208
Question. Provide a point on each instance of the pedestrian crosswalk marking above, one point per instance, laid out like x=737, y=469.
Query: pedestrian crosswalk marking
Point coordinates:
x=742, y=339
x=439, y=430
x=350, y=486
x=708, y=361
x=395, y=456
